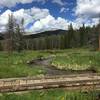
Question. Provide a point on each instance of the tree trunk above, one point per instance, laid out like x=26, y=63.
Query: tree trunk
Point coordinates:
x=99, y=40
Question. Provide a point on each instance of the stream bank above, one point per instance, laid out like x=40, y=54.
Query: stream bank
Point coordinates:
x=45, y=64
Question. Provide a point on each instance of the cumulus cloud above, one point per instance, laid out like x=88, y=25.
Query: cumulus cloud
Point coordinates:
x=29, y=15
x=49, y=23
x=88, y=12
x=40, y=19
x=88, y=8
x=37, y=13
x=11, y=3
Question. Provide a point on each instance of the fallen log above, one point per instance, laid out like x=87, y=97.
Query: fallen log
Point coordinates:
x=70, y=82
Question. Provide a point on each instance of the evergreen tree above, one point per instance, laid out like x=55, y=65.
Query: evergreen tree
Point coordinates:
x=96, y=37
x=71, y=37
x=9, y=35
x=14, y=34
x=82, y=35
x=99, y=33
x=19, y=35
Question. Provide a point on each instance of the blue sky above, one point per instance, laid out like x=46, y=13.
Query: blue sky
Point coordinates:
x=53, y=7
x=42, y=15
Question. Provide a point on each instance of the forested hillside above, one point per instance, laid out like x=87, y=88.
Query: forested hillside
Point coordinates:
x=55, y=39
x=60, y=39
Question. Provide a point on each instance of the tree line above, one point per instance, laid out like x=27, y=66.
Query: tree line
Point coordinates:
x=15, y=40
x=82, y=37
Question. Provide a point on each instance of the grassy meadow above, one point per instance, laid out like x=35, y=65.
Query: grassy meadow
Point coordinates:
x=15, y=64
x=57, y=94
x=77, y=59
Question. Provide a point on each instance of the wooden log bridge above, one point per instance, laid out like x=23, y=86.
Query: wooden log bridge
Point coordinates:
x=69, y=82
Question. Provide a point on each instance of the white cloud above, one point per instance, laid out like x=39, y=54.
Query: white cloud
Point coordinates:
x=49, y=23
x=88, y=12
x=64, y=10
x=29, y=15
x=88, y=8
x=4, y=17
x=59, y=2
x=41, y=19
x=11, y=3
x=37, y=13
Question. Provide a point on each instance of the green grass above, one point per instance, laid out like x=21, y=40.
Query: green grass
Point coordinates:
x=15, y=64
x=57, y=94
x=77, y=59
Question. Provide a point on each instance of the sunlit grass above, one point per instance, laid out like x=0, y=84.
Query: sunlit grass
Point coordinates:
x=77, y=60
x=56, y=94
x=15, y=64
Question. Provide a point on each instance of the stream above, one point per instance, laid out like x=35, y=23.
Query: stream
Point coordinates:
x=45, y=64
